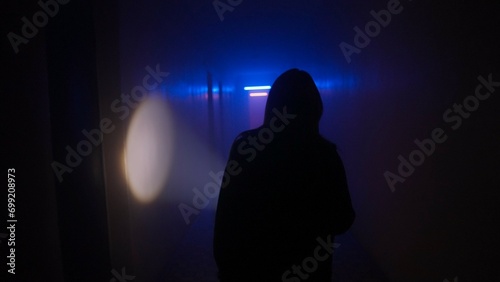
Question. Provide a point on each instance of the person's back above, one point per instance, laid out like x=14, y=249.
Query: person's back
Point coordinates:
x=276, y=219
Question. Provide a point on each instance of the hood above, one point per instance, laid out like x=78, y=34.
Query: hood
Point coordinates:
x=295, y=89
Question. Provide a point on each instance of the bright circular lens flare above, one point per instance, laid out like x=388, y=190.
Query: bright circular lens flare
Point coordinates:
x=148, y=149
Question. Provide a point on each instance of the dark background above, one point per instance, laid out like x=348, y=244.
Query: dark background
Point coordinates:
x=440, y=223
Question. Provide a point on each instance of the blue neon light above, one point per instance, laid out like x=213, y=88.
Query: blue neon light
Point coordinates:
x=267, y=87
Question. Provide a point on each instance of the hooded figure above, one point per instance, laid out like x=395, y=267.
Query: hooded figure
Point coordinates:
x=284, y=194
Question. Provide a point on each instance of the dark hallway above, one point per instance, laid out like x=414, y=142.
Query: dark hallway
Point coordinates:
x=119, y=117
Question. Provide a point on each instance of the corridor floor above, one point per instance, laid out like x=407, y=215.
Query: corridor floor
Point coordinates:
x=194, y=261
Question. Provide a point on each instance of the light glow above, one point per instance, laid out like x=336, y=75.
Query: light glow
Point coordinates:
x=148, y=149
x=249, y=88
x=258, y=94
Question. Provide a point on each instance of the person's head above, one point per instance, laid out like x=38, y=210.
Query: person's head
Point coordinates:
x=295, y=89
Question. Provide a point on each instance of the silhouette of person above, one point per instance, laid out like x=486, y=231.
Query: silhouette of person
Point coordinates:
x=284, y=194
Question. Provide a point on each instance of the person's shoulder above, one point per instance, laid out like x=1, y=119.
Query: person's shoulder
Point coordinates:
x=329, y=152
x=245, y=134
x=326, y=144
x=242, y=137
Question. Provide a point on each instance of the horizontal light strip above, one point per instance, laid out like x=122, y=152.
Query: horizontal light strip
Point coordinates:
x=258, y=94
x=267, y=87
